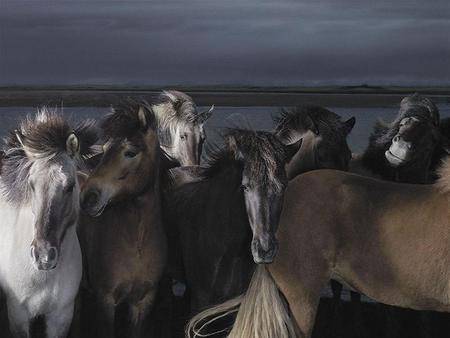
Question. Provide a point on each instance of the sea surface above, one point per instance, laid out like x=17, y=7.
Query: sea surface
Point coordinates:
x=246, y=117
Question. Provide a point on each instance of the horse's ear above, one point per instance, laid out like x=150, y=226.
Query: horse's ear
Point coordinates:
x=142, y=118
x=82, y=178
x=292, y=149
x=234, y=147
x=73, y=145
x=206, y=114
x=19, y=137
x=349, y=124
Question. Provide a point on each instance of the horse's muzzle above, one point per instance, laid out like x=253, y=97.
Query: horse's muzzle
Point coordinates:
x=264, y=252
x=44, y=259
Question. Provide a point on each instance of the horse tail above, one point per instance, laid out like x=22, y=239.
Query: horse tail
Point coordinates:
x=261, y=312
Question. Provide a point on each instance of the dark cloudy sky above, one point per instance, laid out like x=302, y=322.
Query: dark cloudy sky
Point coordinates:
x=207, y=42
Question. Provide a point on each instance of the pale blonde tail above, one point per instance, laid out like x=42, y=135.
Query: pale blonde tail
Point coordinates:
x=262, y=312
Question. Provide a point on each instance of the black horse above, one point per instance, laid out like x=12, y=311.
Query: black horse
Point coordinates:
x=402, y=151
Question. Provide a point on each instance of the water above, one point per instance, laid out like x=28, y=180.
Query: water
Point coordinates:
x=252, y=117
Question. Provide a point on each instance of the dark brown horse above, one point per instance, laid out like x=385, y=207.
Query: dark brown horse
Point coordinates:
x=324, y=136
x=122, y=235
x=240, y=188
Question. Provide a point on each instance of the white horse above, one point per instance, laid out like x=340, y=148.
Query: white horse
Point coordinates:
x=180, y=127
x=40, y=269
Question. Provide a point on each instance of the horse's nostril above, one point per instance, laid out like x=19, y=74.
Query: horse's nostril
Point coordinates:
x=33, y=253
x=90, y=198
x=52, y=254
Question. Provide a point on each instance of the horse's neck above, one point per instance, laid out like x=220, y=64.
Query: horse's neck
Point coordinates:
x=141, y=215
x=374, y=160
x=305, y=159
x=417, y=172
x=166, y=163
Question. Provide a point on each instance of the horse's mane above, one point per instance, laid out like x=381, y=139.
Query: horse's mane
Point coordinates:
x=44, y=136
x=262, y=152
x=417, y=105
x=173, y=108
x=306, y=117
x=123, y=120
x=177, y=106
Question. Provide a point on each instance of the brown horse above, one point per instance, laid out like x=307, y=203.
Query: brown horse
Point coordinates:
x=386, y=240
x=122, y=237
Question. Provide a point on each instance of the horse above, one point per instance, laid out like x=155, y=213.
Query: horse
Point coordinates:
x=180, y=128
x=324, y=137
x=402, y=150
x=121, y=231
x=240, y=187
x=386, y=240
x=39, y=192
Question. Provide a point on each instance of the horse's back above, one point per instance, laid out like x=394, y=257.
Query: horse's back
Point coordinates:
x=376, y=235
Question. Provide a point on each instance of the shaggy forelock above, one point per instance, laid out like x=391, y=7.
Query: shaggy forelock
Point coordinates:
x=297, y=119
x=123, y=121
x=44, y=136
x=263, y=156
x=174, y=109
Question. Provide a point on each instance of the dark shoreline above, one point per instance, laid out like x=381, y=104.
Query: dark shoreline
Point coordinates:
x=221, y=96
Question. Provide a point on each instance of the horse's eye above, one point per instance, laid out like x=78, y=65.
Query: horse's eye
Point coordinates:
x=183, y=137
x=244, y=187
x=130, y=154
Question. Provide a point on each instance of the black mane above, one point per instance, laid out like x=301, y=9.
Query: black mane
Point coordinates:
x=262, y=152
x=308, y=117
x=123, y=121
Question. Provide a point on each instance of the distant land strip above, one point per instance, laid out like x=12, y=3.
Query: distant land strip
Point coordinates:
x=104, y=96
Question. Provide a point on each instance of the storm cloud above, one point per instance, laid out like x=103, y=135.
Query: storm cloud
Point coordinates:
x=217, y=42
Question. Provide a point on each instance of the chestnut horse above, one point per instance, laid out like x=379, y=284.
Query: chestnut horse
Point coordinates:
x=386, y=240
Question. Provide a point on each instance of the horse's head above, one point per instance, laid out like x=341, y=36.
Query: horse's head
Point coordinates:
x=181, y=127
x=414, y=134
x=324, y=137
x=130, y=162
x=264, y=180
x=40, y=170
x=414, y=140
